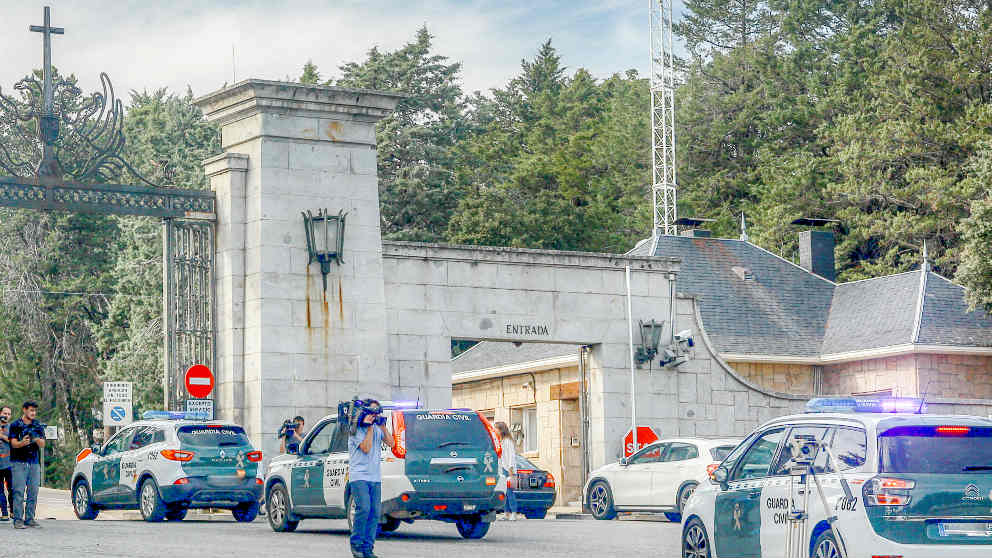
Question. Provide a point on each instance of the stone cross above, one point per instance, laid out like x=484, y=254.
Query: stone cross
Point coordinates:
x=47, y=122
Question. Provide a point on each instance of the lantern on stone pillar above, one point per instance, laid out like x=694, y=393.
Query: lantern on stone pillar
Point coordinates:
x=325, y=239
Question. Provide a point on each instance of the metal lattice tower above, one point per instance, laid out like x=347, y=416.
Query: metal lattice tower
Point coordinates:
x=663, y=183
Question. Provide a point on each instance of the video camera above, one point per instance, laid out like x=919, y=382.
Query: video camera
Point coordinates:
x=287, y=429
x=804, y=449
x=357, y=409
x=35, y=430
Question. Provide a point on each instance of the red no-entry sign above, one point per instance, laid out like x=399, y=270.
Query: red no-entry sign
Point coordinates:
x=645, y=436
x=199, y=381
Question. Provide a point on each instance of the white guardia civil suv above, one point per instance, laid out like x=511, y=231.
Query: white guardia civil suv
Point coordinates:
x=659, y=478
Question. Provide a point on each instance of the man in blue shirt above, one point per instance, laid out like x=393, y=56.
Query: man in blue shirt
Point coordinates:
x=365, y=477
x=25, y=465
x=6, y=480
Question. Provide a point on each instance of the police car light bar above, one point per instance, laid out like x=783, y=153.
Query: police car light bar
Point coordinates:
x=174, y=415
x=400, y=405
x=866, y=405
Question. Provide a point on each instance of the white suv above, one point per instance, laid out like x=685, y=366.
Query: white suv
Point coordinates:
x=659, y=478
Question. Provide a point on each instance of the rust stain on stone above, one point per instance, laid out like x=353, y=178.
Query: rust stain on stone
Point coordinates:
x=340, y=302
x=308, y=298
x=332, y=129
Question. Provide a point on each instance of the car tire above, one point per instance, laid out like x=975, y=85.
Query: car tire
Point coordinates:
x=277, y=510
x=601, y=501
x=826, y=546
x=245, y=512
x=695, y=541
x=390, y=525
x=472, y=528
x=176, y=514
x=684, y=494
x=82, y=501
x=153, y=509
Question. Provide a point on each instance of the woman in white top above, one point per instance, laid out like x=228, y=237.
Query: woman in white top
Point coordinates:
x=508, y=464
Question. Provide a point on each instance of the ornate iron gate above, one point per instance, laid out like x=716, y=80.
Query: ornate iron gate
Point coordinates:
x=188, y=280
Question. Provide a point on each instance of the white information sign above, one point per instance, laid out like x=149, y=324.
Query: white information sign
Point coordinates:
x=51, y=432
x=117, y=410
x=201, y=406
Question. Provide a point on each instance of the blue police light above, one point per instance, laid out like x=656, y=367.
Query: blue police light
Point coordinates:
x=174, y=415
x=400, y=404
x=866, y=405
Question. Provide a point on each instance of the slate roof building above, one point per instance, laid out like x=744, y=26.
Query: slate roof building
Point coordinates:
x=792, y=329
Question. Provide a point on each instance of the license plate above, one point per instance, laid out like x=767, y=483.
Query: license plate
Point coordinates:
x=468, y=507
x=965, y=529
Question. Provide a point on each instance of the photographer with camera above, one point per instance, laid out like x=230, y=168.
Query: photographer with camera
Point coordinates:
x=291, y=434
x=27, y=437
x=367, y=429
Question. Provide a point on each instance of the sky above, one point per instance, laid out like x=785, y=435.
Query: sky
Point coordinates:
x=145, y=45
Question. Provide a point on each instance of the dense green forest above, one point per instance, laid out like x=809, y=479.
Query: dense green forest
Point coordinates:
x=873, y=112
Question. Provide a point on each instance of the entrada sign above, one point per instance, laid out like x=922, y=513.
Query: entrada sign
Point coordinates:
x=527, y=329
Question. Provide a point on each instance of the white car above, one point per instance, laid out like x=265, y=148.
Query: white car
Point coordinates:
x=165, y=467
x=878, y=479
x=659, y=478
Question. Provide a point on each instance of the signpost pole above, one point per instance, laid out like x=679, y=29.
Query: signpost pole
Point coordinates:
x=633, y=390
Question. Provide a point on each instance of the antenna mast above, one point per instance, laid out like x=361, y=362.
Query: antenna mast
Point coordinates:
x=663, y=182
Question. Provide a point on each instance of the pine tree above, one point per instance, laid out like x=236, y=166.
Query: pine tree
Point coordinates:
x=310, y=74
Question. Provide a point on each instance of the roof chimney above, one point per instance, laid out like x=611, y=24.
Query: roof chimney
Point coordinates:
x=816, y=253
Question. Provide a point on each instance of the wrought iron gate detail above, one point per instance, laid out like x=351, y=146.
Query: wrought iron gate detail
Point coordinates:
x=189, y=306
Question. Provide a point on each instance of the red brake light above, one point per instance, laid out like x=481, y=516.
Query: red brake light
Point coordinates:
x=254, y=456
x=183, y=480
x=405, y=497
x=440, y=507
x=497, y=443
x=491, y=481
x=259, y=481
x=887, y=491
x=898, y=484
x=399, y=435
x=177, y=455
x=501, y=496
x=953, y=430
x=549, y=482
x=524, y=471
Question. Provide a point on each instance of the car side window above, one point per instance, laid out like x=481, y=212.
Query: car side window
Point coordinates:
x=142, y=437
x=118, y=443
x=680, y=451
x=339, y=443
x=850, y=447
x=758, y=459
x=159, y=436
x=784, y=461
x=320, y=441
x=650, y=454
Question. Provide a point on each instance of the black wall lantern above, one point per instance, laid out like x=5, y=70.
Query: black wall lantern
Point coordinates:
x=325, y=239
x=650, y=335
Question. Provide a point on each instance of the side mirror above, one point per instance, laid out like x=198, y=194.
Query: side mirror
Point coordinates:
x=720, y=477
x=95, y=448
x=624, y=461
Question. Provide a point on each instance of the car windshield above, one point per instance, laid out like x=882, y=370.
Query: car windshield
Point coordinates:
x=523, y=463
x=212, y=435
x=720, y=453
x=936, y=449
x=431, y=430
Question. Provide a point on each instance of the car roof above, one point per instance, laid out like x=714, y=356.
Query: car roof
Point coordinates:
x=178, y=423
x=711, y=442
x=874, y=419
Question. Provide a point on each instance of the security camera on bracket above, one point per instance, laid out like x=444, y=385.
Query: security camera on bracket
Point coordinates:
x=676, y=354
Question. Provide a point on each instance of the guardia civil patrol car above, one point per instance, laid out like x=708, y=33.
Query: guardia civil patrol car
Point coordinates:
x=167, y=464
x=444, y=466
x=919, y=486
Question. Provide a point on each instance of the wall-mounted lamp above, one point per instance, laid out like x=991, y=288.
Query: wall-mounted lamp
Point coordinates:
x=325, y=239
x=650, y=334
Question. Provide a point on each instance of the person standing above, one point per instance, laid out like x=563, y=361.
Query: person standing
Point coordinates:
x=365, y=477
x=508, y=464
x=26, y=468
x=6, y=484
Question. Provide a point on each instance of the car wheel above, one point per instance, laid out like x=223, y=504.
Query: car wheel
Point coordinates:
x=684, y=494
x=601, y=501
x=390, y=525
x=277, y=510
x=826, y=546
x=152, y=507
x=472, y=528
x=82, y=503
x=245, y=512
x=695, y=542
x=176, y=514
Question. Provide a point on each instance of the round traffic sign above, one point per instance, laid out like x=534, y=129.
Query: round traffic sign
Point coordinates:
x=645, y=436
x=199, y=381
x=117, y=414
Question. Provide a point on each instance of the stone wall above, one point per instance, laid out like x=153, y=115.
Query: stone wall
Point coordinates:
x=955, y=376
x=785, y=378
x=938, y=375
x=897, y=373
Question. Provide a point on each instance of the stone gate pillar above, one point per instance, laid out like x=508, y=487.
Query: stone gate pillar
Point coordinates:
x=285, y=347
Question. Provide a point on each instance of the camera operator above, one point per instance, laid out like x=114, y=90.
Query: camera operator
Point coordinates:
x=292, y=436
x=6, y=483
x=365, y=480
x=25, y=441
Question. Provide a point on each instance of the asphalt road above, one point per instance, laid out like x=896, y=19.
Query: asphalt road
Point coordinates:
x=227, y=539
